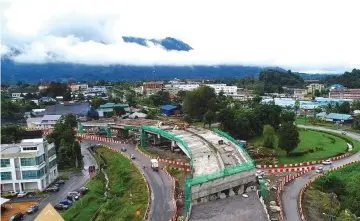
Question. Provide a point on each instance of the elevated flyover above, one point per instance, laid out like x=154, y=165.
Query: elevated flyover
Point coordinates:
x=220, y=165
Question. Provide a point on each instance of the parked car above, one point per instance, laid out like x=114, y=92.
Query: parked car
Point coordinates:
x=53, y=189
x=22, y=194
x=327, y=162
x=74, y=194
x=83, y=190
x=66, y=202
x=343, y=133
x=60, y=182
x=61, y=207
x=320, y=170
x=123, y=149
x=16, y=217
x=132, y=156
x=33, y=209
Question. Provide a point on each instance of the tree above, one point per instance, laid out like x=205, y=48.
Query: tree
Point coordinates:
x=269, y=136
x=297, y=106
x=160, y=98
x=288, y=137
x=70, y=119
x=209, y=117
x=130, y=97
x=119, y=111
x=287, y=116
x=96, y=102
x=356, y=122
x=11, y=134
x=198, y=101
x=81, y=97
x=355, y=105
x=57, y=89
x=92, y=114
x=343, y=108
x=152, y=114
x=317, y=93
x=180, y=96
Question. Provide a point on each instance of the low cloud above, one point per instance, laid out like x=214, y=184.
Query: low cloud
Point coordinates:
x=306, y=36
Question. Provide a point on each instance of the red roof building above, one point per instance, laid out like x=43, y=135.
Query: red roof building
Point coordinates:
x=345, y=94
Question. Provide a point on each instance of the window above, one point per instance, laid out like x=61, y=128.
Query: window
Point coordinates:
x=29, y=148
x=5, y=175
x=28, y=161
x=52, y=163
x=5, y=162
x=51, y=152
x=33, y=174
x=40, y=159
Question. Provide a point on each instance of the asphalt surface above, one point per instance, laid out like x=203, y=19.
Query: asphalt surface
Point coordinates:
x=76, y=180
x=161, y=186
x=236, y=208
x=291, y=190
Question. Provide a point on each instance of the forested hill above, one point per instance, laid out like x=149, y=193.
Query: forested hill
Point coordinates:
x=348, y=79
x=274, y=80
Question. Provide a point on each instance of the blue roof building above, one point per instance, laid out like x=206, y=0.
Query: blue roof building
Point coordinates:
x=336, y=87
x=334, y=117
x=170, y=110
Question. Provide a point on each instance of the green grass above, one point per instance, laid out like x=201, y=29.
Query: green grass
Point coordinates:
x=322, y=146
x=125, y=179
x=85, y=208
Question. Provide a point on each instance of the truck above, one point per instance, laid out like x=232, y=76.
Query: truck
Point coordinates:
x=154, y=164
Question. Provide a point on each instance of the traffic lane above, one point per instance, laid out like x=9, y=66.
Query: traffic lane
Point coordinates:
x=88, y=158
x=160, y=184
x=291, y=190
x=76, y=180
x=350, y=134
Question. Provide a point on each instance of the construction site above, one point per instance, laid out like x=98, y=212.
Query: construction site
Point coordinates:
x=220, y=166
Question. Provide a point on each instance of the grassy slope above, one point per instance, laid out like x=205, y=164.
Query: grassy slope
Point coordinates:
x=309, y=140
x=90, y=203
x=124, y=179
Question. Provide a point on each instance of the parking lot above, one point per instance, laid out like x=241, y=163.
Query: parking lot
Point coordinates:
x=76, y=181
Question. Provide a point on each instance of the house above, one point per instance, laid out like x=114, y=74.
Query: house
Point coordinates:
x=46, y=99
x=343, y=118
x=321, y=115
x=43, y=123
x=152, y=87
x=109, y=107
x=28, y=166
x=137, y=115
x=170, y=110
x=43, y=86
x=19, y=93
x=78, y=87
x=298, y=93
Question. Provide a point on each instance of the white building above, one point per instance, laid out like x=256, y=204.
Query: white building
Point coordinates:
x=28, y=166
x=45, y=122
x=97, y=89
x=228, y=90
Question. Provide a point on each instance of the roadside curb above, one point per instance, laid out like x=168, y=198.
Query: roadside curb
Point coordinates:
x=307, y=184
x=174, y=218
x=282, y=166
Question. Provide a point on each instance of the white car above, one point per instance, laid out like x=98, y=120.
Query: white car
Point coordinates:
x=320, y=170
x=327, y=162
x=260, y=173
x=22, y=194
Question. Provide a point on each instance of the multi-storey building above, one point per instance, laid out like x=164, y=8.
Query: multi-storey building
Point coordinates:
x=28, y=166
x=78, y=87
x=311, y=88
x=152, y=87
x=353, y=94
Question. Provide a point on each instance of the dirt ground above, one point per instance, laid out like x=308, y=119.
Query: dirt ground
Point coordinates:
x=13, y=208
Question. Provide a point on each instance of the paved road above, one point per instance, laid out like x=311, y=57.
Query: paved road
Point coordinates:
x=292, y=190
x=76, y=180
x=161, y=187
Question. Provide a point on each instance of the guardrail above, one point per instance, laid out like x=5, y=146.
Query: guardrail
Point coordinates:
x=174, y=218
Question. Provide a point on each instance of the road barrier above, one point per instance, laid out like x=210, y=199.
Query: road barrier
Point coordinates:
x=301, y=164
x=280, y=187
x=307, y=184
x=287, y=170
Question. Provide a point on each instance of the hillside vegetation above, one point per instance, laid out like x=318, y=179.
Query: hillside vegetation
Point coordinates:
x=342, y=186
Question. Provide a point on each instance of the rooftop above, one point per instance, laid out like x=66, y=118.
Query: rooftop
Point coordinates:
x=168, y=107
x=112, y=105
x=51, y=117
x=80, y=109
x=336, y=116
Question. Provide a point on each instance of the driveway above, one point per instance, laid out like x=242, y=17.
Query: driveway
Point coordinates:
x=161, y=186
x=292, y=189
x=76, y=180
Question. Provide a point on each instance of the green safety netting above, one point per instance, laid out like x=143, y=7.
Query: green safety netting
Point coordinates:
x=205, y=178
x=132, y=128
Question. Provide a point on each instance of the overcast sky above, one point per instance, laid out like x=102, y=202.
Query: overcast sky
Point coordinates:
x=303, y=35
